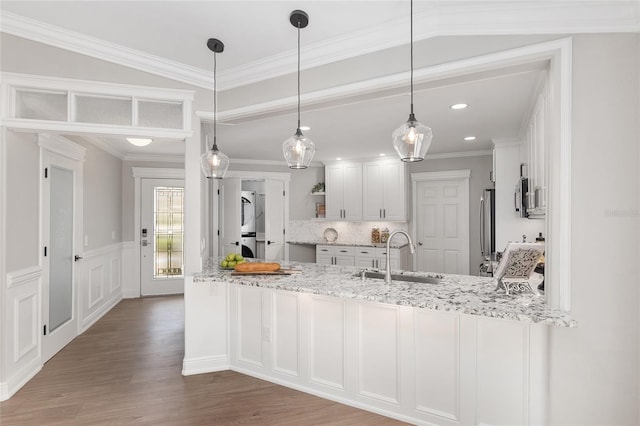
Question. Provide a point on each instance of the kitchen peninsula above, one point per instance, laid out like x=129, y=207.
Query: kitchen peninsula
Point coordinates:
x=447, y=353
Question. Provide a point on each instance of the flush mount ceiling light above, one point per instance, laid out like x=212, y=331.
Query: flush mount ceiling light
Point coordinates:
x=458, y=106
x=412, y=140
x=470, y=138
x=298, y=150
x=139, y=141
x=213, y=162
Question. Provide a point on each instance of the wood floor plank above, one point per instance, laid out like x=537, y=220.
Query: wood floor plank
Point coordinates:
x=126, y=369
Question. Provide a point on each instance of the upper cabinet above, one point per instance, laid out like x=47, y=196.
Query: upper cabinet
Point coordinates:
x=372, y=190
x=534, y=153
x=384, y=190
x=343, y=187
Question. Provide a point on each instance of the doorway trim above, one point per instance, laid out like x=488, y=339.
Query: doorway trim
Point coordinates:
x=464, y=175
x=57, y=145
x=214, y=223
x=138, y=174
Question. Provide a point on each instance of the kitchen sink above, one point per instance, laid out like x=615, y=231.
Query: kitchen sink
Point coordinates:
x=400, y=277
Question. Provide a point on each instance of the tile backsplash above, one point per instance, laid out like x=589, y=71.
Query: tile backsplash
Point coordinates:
x=348, y=232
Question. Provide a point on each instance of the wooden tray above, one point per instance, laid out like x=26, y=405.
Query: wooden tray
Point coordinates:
x=281, y=271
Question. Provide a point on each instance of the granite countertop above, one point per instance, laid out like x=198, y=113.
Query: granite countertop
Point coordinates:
x=347, y=244
x=458, y=293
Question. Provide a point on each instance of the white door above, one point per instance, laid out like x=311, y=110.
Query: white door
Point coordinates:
x=442, y=226
x=62, y=208
x=230, y=226
x=274, y=220
x=162, y=230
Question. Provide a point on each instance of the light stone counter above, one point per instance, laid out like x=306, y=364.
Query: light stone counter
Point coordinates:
x=458, y=293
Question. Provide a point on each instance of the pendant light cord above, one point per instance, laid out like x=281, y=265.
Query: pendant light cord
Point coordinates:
x=215, y=82
x=411, y=26
x=298, y=76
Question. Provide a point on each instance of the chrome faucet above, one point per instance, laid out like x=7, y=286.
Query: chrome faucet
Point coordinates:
x=412, y=250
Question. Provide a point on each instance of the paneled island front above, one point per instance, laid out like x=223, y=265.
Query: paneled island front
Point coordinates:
x=455, y=352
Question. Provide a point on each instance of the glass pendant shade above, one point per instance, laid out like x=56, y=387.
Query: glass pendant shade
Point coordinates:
x=412, y=140
x=214, y=163
x=298, y=151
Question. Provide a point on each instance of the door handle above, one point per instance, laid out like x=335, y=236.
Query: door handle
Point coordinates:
x=76, y=258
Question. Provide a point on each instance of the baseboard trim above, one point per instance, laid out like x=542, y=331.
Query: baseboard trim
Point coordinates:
x=205, y=364
x=94, y=317
x=329, y=396
x=18, y=380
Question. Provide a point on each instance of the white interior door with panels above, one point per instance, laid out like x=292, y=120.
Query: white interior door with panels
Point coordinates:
x=161, y=236
x=274, y=229
x=62, y=241
x=441, y=221
x=230, y=217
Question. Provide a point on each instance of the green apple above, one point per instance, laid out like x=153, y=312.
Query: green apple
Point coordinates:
x=231, y=264
x=224, y=263
x=231, y=256
x=241, y=261
x=239, y=257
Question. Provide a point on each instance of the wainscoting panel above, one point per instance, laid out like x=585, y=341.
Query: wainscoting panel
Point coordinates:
x=378, y=352
x=22, y=327
x=437, y=363
x=100, y=283
x=502, y=372
x=285, y=333
x=250, y=332
x=327, y=342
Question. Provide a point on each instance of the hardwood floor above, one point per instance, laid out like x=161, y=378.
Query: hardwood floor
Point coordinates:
x=126, y=370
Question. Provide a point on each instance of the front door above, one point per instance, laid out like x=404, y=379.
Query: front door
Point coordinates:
x=162, y=231
x=442, y=226
x=61, y=206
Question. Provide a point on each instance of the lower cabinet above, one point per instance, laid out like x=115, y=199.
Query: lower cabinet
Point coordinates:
x=335, y=255
x=361, y=256
x=417, y=365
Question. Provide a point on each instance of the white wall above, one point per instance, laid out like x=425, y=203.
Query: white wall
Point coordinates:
x=594, y=367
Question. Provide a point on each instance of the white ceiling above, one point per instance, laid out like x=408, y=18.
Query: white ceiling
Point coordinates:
x=260, y=43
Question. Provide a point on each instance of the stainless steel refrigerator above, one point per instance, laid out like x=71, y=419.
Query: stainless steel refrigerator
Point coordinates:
x=487, y=216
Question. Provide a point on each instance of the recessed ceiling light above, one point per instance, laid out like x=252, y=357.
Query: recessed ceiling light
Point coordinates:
x=305, y=128
x=470, y=138
x=382, y=155
x=140, y=141
x=458, y=106
x=339, y=158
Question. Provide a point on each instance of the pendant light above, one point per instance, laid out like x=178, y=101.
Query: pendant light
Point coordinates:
x=412, y=140
x=213, y=162
x=298, y=150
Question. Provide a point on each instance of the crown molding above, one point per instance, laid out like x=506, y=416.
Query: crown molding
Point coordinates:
x=461, y=154
x=442, y=19
x=79, y=43
x=154, y=158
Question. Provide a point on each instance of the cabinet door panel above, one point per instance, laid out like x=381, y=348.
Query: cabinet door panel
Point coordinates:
x=352, y=191
x=334, y=192
x=372, y=189
x=394, y=191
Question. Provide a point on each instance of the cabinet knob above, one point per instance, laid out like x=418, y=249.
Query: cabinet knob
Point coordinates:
x=419, y=243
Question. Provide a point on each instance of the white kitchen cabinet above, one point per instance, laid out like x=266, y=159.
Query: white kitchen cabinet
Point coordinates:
x=335, y=255
x=343, y=183
x=535, y=146
x=376, y=257
x=384, y=190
